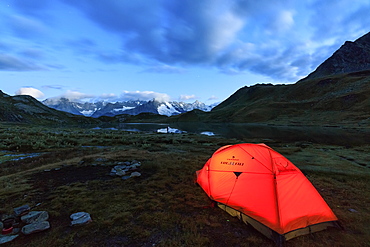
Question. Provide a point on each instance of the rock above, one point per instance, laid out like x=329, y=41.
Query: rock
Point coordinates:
x=135, y=174
x=6, y=239
x=101, y=160
x=136, y=164
x=22, y=210
x=352, y=210
x=80, y=218
x=35, y=216
x=124, y=167
x=35, y=227
x=120, y=173
x=126, y=163
x=119, y=170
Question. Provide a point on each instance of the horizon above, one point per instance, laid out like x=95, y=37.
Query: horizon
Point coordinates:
x=170, y=51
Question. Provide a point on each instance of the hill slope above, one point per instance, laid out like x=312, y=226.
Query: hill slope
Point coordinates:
x=26, y=109
x=336, y=93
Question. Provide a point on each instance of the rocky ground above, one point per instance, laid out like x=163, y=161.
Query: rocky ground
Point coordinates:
x=163, y=206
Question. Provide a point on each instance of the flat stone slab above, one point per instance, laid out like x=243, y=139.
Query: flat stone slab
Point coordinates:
x=35, y=216
x=7, y=238
x=22, y=210
x=80, y=218
x=35, y=227
x=135, y=174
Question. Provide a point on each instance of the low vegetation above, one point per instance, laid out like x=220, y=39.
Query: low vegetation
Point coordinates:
x=67, y=171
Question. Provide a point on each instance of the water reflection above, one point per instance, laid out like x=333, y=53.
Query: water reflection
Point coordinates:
x=324, y=135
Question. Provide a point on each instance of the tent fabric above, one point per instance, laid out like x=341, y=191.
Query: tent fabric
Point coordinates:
x=262, y=184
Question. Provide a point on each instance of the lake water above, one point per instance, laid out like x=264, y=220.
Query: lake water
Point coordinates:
x=323, y=135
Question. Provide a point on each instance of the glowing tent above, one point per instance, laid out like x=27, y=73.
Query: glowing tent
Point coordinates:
x=264, y=189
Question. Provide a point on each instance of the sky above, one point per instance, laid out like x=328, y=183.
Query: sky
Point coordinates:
x=171, y=50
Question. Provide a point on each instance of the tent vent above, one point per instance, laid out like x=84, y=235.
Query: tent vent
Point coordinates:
x=237, y=174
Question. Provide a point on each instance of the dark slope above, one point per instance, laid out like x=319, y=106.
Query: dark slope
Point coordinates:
x=26, y=109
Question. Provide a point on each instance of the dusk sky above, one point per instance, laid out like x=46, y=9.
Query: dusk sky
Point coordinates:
x=181, y=50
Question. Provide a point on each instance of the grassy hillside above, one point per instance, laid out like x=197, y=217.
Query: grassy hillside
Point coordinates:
x=26, y=109
x=333, y=100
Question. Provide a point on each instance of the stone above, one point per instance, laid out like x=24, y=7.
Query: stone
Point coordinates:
x=5, y=239
x=101, y=160
x=80, y=218
x=137, y=164
x=119, y=170
x=35, y=216
x=35, y=227
x=22, y=210
x=135, y=174
x=120, y=173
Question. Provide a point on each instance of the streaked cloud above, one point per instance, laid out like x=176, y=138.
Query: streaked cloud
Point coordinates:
x=213, y=98
x=164, y=69
x=13, y=63
x=26, y=27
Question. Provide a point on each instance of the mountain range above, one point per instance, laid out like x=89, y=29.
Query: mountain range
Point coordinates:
x=102, y=108
x=336, y=93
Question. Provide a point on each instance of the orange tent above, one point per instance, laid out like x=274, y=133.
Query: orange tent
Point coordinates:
x=264, y=189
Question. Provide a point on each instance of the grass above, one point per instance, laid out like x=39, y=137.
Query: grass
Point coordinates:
x=163, y=207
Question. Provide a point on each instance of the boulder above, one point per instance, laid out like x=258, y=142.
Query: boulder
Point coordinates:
x=35, y=227
x=35, y=216
x=80, y=218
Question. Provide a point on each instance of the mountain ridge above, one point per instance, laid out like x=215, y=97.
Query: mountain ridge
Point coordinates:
x=336, y=93
x=350, y=57
x=112, y=109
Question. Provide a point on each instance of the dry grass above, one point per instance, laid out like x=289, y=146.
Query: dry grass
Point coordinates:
x=164, y=207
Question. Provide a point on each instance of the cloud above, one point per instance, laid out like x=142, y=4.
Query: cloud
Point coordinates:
x=164, y=69
x=30, y=91
x=32, y=53
x=82, y=45
x=144, y=95
x=12, y=63
x=213, y=98
x=76, y=96
x=58, y=87
x=177, y=34
x=234, y=36
x=187, y=97
x=32, y=8
x=26, y=27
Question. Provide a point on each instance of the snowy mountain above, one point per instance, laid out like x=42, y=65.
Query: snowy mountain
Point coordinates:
x=101, y=108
